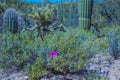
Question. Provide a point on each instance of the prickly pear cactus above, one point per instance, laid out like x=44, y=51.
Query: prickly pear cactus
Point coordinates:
x=10, y=20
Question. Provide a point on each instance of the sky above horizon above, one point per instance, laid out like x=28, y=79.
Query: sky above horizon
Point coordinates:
x=38, y=1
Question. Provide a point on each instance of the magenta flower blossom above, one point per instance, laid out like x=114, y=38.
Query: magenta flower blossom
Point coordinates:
x=53, y=53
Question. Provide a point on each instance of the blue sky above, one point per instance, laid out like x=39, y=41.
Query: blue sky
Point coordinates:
x=37, y=1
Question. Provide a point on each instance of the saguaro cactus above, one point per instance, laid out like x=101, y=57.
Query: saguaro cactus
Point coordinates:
x=85, y=12
x=10, y=20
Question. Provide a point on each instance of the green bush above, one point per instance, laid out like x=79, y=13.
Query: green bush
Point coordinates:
x=17, y=49
x=74, y=48
x=114, y=42
x=113, y=39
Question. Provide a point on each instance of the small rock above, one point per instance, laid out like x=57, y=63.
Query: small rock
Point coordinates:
x=26, y=77
x=112, y=78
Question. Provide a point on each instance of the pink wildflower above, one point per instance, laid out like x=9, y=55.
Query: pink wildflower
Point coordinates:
x=53, y=53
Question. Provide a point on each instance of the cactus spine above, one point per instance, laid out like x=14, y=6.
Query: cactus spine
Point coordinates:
x=10, y=20
x=85, y=12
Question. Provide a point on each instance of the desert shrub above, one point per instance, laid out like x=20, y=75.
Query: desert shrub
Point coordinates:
x=114, y=44
x=113, y=38
x=37, y=69
x=16, y=49
x=96, y=46
x=104, y=31
x=74, y=48
x=25, y=50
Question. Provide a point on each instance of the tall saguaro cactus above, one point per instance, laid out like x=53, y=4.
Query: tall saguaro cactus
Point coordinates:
x=85, y=13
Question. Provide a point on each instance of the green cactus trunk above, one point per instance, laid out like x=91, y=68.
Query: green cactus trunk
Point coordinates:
x=10, y=20
x=85, y=13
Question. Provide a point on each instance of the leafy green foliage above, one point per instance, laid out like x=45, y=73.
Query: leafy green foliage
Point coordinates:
x=36, y=70
x=112, y=35
x=15, y=49
x=114, y=45
x=27, y=51
x=74, y=47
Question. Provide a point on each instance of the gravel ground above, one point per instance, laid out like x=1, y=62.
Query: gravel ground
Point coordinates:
x=13, y=74
x=63, y=77
x=107, y=66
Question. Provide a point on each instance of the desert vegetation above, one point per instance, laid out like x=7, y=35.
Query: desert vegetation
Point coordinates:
x=58, y=38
